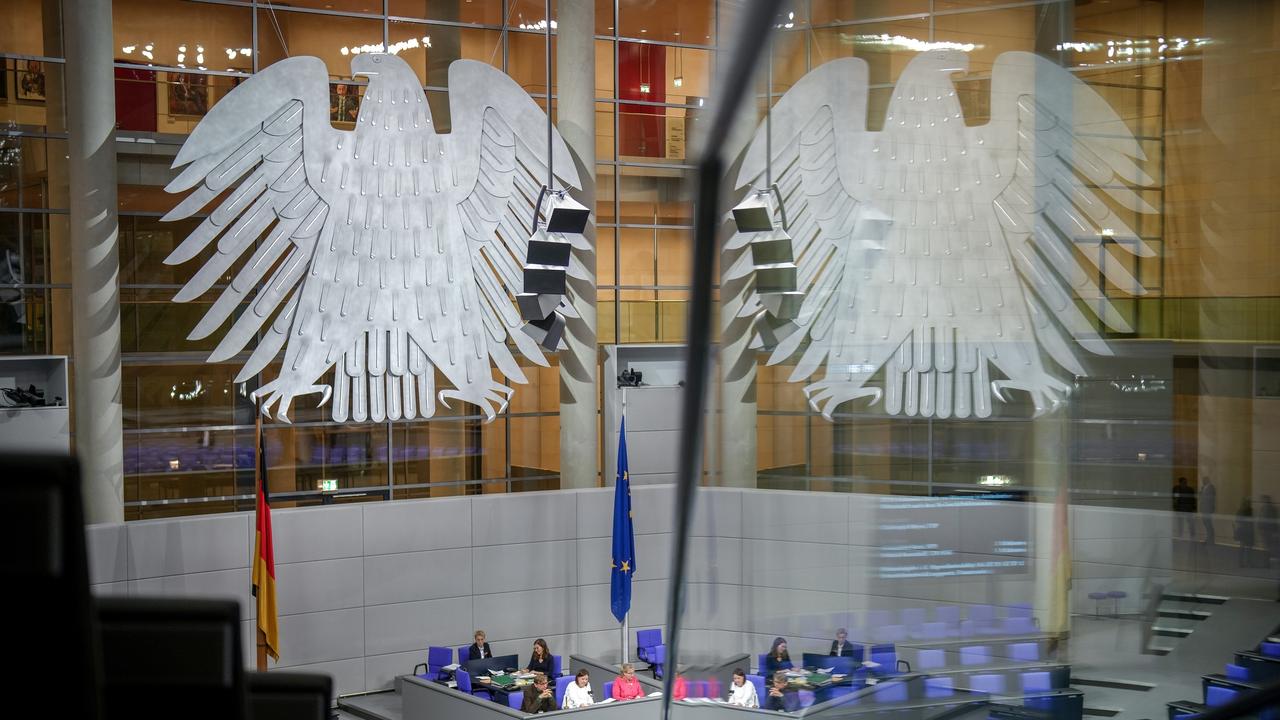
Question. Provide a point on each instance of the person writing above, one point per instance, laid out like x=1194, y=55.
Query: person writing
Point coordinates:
x=778, y=658
x=780, y=696
x=840, y=647
x=540, y=660
x=741, y=692
x=627, y=686
x=479, y=649
x=538, y=698
x=578, y=692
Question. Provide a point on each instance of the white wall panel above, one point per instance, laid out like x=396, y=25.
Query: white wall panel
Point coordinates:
x=411, y=576
x=718, y=512
x=799, y=516
x=108, y=549
x=319, y=585
x=321, y=637
x=528, y=566
x=405, y=627
x=415, y=525
x=798, y=565
x=230, y=584
x=380, y=671
x=324, y=533
x=526, y=614
x=348, y=675
x=188, y=545
x=523, y=517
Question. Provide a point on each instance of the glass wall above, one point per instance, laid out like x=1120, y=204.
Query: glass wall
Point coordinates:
x=189, y=427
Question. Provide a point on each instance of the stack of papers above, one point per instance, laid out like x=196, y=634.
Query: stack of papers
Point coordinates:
x=827, y=671
x=656, y=693
x=451, y=667
x=497, y=673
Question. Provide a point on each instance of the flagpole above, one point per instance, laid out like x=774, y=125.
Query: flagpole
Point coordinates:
x=625, y=618
x=258, y=480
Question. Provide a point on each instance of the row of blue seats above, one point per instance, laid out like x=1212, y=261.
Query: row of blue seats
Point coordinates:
x=1251, y=669
x=170, y=458
x=886, y=656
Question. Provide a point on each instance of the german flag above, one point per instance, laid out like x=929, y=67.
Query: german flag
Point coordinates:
x=264, y=562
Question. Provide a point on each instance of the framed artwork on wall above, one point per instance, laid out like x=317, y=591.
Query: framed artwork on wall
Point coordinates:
x=344, y=102
x=30, y=80
x=188, y=94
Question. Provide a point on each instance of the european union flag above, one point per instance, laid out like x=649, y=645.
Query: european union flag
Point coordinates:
x=624, y=537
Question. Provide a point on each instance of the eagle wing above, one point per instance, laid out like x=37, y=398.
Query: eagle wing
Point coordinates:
x=1073, y=174
x=256, y=180
x=500, y=134
x=819, y=121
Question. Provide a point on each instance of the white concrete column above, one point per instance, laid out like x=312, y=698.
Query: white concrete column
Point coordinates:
x=95, y=258
x=576, y=119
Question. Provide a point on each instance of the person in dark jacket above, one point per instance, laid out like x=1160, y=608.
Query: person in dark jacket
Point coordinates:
x=1244, y=532
x=780, y=696
x=840, y=646
x=540, y=661
x=538, y=698
x=1184, y=509
x=479, y=649
x=778, y=658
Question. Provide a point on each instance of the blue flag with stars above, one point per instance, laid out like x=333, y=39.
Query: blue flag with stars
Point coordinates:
x=624, y=537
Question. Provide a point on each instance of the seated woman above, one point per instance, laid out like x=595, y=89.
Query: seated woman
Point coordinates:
x=780, y=696
x=741, y=692
x=578, y=692
x=627, y=686
x=540, y=660
x=777, y=659
x=538, y=698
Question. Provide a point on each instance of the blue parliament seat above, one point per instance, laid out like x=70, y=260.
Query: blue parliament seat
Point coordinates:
x=649, y=644
x=988, y=683
x=516, y=699
x=975, y=655
x=939, y=687
x=562, y=682
x=433, y=668
x=608, y=690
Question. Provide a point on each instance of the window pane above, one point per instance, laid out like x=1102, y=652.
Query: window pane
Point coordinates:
x=191, y=35
x=324, y=36
x=478, y=12
x=685, y=21
x=22, y=28
x=446, y=45
x=654, y=196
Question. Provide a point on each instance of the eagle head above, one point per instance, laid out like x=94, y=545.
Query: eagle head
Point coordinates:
x=393, y=81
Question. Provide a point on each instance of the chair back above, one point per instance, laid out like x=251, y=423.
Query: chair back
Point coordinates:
x=1237, y=672
x=930, y=659
x=913, y=616
x=556, y=669
x=438, y=657
x=1036, y=682
x=1024, y=652
x=56, y=636
x=1215, y=695
x=760, y=660
x=562, y=683
x=648, y=638
x=288, y=696
x=515, y=700
x=890, y=692
x=159, y=653
x=938, y=687
x=949, y=614
x=464, y=681
x=886, y=656
x=608, y=690
x=758, y=681
x=975, y=655
x=989, y=683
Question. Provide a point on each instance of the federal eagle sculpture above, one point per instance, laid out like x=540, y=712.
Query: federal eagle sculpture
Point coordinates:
x=389, y=251
x=933, y=265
